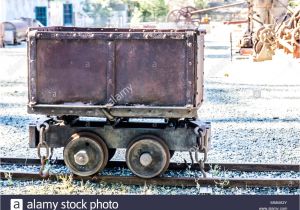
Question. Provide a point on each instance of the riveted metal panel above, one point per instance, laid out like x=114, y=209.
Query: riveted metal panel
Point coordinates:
x=122, y=72
x=71, y=71
x=153, y=71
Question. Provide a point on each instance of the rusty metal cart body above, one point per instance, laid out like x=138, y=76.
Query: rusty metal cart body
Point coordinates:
x=146, y=84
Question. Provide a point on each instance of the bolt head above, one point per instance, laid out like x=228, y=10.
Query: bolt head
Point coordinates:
x=145, y=159
x=81, y=157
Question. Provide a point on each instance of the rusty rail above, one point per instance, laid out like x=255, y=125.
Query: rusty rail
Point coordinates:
x=164, y=181
x=246, y=167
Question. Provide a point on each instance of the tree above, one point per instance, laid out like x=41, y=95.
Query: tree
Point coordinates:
x=200, y=4
x=99, y=10
x=294, y=3
x=154, y=10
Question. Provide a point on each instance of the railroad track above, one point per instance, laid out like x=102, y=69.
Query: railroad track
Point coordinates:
x=169, y=181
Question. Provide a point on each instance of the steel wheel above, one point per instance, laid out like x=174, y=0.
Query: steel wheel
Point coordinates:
x=172, y=16
x=85, y=154
x=186, y=17
x=258, y=46
x=148, y=156
x=267, y=35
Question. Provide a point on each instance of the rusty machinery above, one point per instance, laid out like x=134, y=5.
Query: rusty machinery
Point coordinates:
x=191, y=16
x=271, y=25
x=145, y=85
x=282, y=35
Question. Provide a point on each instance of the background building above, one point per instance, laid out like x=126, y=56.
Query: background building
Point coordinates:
x=63, y=12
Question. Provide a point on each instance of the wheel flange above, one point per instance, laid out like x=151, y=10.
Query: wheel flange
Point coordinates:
x=148, y=156
x=85, y=154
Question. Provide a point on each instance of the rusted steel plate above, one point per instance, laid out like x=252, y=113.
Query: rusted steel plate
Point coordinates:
x=77, y=29
x=71, y=71
x=109, y=36
x=131, y=73
x=158, y=77
x=199, y=87
x=120, y=111
x=178, y=139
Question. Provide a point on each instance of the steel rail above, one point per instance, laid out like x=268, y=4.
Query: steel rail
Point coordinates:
x=246, y=167
x=163, y=181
